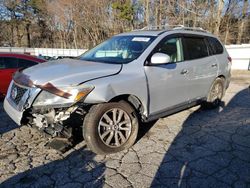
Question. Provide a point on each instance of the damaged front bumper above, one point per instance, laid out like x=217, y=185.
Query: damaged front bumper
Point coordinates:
x=14, y=114
x=30, y=104
x=55, y=121
x=18, y=99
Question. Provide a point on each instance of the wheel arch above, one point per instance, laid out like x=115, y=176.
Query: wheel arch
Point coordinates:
x=132, y=100
x=222, y=76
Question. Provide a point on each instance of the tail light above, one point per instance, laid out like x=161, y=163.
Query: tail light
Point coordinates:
x=229, y=59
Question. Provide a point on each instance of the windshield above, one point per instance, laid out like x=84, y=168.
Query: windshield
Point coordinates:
x=119, y=49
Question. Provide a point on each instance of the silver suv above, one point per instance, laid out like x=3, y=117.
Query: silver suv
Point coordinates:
x=131, y=78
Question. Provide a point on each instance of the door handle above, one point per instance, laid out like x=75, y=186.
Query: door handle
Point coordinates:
x=184, y=71
x=214, y=65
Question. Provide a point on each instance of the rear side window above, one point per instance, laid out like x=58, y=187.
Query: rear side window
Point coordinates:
x=26, y=63
x=9, y=63
x=215, y=45
x=195, y=48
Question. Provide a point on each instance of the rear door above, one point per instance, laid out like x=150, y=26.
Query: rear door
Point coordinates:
x=221, y=56
x=167, y=83
x=8, y=66
x=203, y=67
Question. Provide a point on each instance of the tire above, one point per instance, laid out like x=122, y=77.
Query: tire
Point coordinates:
x=215, y=94
x=104, y=136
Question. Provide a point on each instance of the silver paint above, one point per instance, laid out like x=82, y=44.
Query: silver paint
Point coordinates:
x=156, y=87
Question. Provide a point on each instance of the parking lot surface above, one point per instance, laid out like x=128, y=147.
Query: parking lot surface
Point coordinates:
x=193, y=148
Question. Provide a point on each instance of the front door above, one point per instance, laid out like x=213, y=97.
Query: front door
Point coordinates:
x=167, y=83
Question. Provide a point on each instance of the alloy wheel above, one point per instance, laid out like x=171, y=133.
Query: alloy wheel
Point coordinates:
x=114, y=127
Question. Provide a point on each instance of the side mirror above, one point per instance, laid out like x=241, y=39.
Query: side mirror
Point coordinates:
x=160, y=58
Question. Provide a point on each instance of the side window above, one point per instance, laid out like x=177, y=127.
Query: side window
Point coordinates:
x=26, y=63
x=215, y=45
x=196, y=48
x=171, y=47
x=10, y=62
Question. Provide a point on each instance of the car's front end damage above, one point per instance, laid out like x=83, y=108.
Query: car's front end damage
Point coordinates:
x=50, y=96
x=46, y=107
x=19, y=98
x=98, y=96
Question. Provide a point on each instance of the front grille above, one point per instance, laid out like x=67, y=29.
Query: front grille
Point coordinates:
x=17, y=93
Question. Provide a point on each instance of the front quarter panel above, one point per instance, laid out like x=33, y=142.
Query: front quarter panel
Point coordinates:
x=130, y=81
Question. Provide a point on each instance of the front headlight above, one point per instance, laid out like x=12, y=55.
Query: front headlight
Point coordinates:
x=61, y=96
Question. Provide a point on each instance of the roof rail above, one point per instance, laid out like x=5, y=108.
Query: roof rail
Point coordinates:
x=191, y=29
x=155, y=27
x=173, y=27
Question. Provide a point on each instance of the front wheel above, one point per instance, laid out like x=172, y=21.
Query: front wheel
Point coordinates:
x=110, y=127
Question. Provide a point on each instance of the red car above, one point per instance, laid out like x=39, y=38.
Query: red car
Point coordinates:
x=10, y=63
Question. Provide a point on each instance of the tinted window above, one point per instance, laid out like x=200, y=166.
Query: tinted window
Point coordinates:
x=26, y=63
x=215, y=45
x=8, y=63
x=171, y=47
x=195, y=48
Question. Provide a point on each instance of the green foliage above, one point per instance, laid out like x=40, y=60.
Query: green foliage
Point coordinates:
x=125, y=10
x=37, y=5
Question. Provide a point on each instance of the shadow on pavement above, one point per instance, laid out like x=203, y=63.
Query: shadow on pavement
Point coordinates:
x=211, y=150
x=144, y=129
x=77, y=169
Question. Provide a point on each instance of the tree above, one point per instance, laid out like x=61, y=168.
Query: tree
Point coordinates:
x=242, y=21
x=124, y=10
x=85, y=23
x=218, y=17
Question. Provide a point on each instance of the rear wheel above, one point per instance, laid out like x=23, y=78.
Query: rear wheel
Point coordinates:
x=215, y=94
x=110, y=127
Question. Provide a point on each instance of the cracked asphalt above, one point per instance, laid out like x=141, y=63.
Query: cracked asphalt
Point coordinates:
x=193, y=148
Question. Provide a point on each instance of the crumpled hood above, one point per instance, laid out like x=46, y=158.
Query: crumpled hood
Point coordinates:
x=69, y=72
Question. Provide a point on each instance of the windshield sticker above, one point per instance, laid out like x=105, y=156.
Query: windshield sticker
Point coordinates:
x=141, y=39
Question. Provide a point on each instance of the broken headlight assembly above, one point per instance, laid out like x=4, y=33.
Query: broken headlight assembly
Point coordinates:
x=58, y=97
